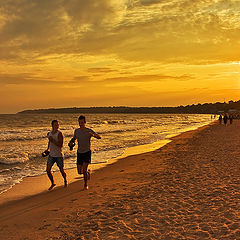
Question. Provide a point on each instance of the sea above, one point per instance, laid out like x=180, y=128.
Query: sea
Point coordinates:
x=23, y=137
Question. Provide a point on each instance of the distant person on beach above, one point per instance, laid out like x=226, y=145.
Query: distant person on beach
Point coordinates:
x=225, y=119
x=220, y=119
x=83, y=136
x=54, y=149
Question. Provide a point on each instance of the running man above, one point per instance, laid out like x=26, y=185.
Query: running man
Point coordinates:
x=83, y=136
x=55, y=144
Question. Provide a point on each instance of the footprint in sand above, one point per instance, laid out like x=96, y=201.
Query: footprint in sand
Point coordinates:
x=54, y=210
x=44, y=226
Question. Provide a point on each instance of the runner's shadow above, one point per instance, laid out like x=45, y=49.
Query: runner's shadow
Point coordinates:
x=78, y=178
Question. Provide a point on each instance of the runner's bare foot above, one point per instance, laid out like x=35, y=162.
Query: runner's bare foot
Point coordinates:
x=85, y=188
x=52, y=186
x=65, y=183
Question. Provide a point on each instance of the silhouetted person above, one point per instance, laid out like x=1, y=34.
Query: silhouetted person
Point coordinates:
x=83, y=136
x=220, y=119
x=225, y=119
x=55, y=144
x=231, y=118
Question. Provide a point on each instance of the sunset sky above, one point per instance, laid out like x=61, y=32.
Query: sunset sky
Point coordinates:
x=76, y=53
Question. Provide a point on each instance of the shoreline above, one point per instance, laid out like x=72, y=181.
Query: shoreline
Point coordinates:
x=188, y=189
x=24, y=188
x=41, y=182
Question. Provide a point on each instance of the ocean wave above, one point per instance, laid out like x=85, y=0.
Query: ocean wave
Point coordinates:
x=5, y=171
x=20, y=138
x=23, y=134
x=12, y=169
x=113, y=122
x=118, y=131
x=40, y=134
x=102, y=132
x=14, y=158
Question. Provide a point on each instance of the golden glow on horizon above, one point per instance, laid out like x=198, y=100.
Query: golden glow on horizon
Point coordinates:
x=105, y=53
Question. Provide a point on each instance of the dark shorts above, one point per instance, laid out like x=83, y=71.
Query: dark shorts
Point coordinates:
x=83, y=157
x=58, y=160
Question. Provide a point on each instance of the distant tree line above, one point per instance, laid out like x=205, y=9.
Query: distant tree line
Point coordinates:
x=206, y=108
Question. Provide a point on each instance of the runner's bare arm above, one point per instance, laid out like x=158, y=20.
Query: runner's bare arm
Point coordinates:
x=73, y=138
x=48, y=145
x=59, y=142
x=95, y=135
x=60, y=139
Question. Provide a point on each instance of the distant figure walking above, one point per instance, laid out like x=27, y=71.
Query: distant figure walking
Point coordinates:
x=231, y=119
x=225, y=119
x=54, y=149
x=83, y=136
x=220, y=119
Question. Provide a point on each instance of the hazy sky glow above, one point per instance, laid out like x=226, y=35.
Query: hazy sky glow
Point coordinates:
x=66, y=53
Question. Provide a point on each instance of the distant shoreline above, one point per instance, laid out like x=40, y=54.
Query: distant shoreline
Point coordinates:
x=206, y=108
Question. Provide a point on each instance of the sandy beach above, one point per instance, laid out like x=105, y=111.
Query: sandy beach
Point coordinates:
x=188, y=189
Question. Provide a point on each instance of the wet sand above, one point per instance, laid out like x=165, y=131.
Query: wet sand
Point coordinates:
x=188, y=189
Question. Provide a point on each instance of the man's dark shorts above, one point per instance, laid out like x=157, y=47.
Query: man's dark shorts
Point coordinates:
x=58, y=160
x=84, y=157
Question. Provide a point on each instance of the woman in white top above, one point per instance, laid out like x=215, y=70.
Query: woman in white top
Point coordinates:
x=55, y=145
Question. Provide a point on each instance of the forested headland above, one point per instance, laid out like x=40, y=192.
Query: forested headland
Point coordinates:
x=206, y=108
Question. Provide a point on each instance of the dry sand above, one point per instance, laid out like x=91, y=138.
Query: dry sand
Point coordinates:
x=188, y=189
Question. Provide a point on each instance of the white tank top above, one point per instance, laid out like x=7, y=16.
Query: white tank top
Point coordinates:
x=55, y=151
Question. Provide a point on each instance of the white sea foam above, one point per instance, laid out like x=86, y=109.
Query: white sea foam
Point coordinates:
x=13, y=158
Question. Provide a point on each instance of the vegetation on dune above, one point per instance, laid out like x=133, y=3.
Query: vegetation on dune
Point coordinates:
x=206, y=108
